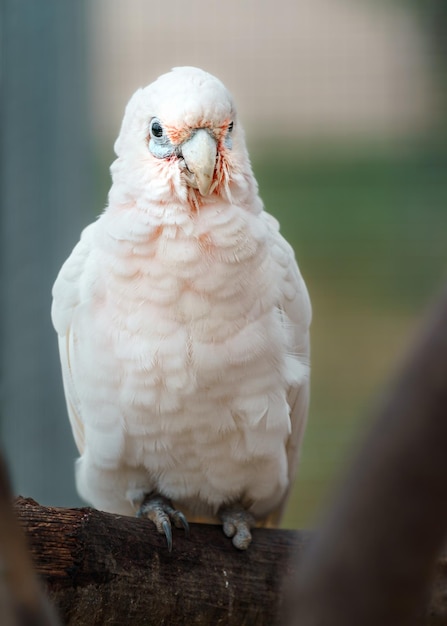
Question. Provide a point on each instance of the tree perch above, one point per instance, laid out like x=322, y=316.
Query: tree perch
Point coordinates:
x=107, y=569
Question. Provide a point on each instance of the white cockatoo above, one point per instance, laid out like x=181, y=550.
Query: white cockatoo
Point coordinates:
x=183, y=324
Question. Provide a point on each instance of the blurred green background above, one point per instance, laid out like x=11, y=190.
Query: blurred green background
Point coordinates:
x=344, y=106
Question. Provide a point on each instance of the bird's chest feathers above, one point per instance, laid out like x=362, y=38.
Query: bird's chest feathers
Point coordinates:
x=201, y=274
x=186, y=310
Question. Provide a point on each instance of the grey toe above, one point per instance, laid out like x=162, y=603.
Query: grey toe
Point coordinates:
x=237, y=523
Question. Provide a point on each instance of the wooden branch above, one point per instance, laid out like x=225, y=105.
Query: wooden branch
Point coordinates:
x=107, y=569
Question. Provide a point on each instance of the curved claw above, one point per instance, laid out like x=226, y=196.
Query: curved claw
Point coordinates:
x=168, y=533
x=183, y=522
x=159, y=510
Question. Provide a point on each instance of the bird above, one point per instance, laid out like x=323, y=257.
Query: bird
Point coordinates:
x=183, y=325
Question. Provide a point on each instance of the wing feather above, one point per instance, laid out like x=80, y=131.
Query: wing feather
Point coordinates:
x=66, y=299
x=296, y=308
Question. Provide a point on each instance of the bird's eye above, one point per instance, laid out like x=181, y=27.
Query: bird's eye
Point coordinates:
x=156, y=129
x=230, y=126
x=158, y=140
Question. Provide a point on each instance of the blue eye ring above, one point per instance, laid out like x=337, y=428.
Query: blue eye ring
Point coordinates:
x=228, y=139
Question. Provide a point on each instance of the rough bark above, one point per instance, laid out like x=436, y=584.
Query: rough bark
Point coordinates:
x=106, y=569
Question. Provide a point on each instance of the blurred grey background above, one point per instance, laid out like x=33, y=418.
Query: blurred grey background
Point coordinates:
x=344, y=107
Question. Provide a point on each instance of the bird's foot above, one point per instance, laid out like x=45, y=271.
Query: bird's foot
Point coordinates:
x=160, y=511
x=237, y=523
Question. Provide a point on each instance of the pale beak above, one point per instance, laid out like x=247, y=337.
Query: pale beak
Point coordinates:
x=199, y=154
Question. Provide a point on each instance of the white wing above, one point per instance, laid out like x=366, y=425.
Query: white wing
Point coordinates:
x=66, y=298
x=296, y=307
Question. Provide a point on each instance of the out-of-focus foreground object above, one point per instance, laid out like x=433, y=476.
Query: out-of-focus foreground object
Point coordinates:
x=22, y=602
x=373, y=559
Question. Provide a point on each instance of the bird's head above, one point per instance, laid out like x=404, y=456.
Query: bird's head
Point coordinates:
x=180, y=140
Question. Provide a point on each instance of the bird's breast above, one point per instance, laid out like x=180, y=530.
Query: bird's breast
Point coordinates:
x=188, y=315
x=187, y=348
x=209, y=274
